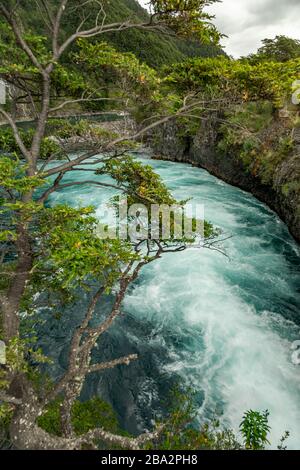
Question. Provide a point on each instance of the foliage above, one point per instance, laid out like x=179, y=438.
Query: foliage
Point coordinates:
x=129, y=76
x=182, y=430
x=72, y=249
x=97, y=69
x=237, y=79
x=279, y=49
x=64, y=129
x=83, y=128
x=6, y=413
x=153, y=48
x=85, y=416
x=255, y=428
x=251, y=134
x=8, y=143
x=14, y=59
x=140, y=181
x=252, y=116
x=18, y=351
x=144, y=186
x=290, y=187
x=186, y=18
x=239, y=133
x=105, y=56
x=13, y=176
x=68, y=81
x=283, y=439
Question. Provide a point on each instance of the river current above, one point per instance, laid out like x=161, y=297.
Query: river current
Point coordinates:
x=222, y=325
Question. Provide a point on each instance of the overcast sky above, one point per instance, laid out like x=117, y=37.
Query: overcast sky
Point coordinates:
x=247, y=22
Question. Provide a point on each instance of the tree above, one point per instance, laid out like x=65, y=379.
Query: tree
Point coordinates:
x=56, y=250
x=226, y=82
x=279, y=49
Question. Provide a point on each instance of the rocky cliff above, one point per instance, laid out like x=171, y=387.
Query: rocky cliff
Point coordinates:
x=282, y=194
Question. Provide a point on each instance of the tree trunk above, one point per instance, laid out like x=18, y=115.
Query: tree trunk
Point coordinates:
x=11, y=303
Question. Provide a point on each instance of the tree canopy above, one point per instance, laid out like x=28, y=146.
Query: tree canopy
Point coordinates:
x=279, y=49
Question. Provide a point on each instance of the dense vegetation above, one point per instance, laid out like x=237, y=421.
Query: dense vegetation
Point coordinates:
x=279, y=49
x=239, y=80
x=153, y=48
x=56, y=251
x=180, y=432
x=251, y=101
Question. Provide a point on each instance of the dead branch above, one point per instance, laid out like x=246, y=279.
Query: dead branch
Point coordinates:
x=111, y=364
x=9, y=399
x=16, y=133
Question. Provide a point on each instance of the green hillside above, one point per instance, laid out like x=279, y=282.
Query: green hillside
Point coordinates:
x=153, y=48
x=156, y=49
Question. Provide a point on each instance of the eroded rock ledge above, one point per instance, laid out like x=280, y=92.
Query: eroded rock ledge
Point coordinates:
x=201, y=149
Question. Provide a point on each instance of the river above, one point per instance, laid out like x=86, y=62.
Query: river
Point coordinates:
x=222, y=325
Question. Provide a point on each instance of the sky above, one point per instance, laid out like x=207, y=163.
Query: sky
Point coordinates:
x=247, y=22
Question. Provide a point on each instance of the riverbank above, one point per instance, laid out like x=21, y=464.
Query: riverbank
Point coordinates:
x=281, y=193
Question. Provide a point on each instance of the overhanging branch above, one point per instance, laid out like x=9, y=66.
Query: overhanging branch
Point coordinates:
x=111, y=364
x=9, y=399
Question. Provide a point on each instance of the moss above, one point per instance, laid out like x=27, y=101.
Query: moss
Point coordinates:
x=50, y=420
x=248, y=134
x=88, y=415
x=8, y=143
x=293, y=186
x=271, y=159
x=8, y=268
x=94, y=413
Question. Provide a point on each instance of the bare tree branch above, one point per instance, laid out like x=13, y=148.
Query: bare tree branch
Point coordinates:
x=56, y=28
x=114, y=143
x=16, y=133
x=58, y=187
x=9, y=399
x=111, y=364
x=127, y=443
x=82, y=100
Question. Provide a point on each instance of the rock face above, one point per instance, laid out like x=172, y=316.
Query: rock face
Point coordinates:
x=201, y=150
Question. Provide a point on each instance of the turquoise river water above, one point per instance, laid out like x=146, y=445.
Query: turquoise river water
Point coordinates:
x=223, y=325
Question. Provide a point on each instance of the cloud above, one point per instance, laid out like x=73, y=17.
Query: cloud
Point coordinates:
x=247, y=22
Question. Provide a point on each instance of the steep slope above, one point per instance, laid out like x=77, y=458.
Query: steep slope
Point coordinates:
x=153, y=48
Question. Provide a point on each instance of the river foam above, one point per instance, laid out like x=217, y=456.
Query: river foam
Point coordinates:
x=242, y=314
x=227, y=323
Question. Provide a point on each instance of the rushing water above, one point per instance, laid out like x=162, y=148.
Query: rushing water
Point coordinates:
x=223, y=325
